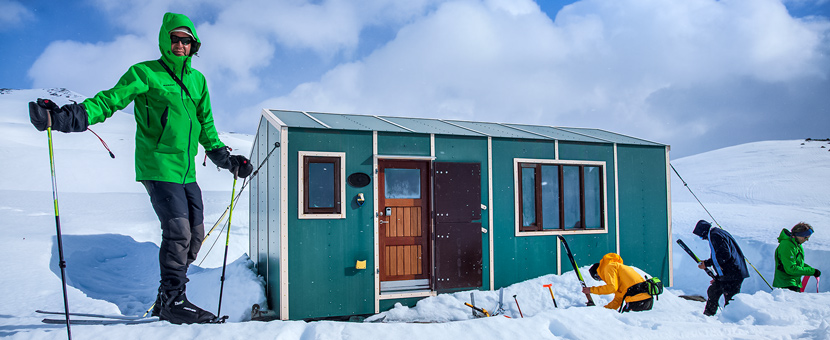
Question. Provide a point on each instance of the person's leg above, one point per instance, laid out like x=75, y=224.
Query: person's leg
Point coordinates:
x=730, y=289
x=793, y=288
x=170, y=204
x=642, y=305
x=196, y=213
x=714, y=292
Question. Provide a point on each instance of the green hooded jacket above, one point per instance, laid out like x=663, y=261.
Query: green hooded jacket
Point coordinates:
x=169, y=121
x=789, y=262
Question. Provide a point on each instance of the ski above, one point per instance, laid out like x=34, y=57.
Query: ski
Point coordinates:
x=576, y=269
x=101, y=316
x=692, y=254
x=101, y=321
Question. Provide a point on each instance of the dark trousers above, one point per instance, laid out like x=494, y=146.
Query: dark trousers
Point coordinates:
x=180, y=211
x=726, y=288
x=639, y=306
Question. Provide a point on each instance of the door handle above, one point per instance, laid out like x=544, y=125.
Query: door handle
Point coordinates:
x=382, y=222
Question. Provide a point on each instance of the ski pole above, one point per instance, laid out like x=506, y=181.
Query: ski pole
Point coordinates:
x=227, y=241
x=62, y=263
x=549, y=285
x=517, y=306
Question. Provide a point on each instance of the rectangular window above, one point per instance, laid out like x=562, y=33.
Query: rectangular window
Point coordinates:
x=560, y=195
x=322, y=188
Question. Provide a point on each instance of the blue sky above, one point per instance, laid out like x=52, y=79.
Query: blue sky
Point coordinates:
x=696, y=74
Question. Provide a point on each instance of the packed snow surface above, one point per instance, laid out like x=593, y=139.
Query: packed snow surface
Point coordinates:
x=111, y=236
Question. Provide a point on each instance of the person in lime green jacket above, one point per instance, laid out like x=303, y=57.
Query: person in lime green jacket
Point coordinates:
x=789, y=258
x=173, y=117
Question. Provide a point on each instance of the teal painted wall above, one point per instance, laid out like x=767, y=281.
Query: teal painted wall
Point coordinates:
x=517, y=258
x=264, y=219
x=644, y=234
x=403, y=144
x=470, y=150
x=322, y=278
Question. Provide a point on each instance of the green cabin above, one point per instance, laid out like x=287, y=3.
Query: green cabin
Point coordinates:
x=354, y=213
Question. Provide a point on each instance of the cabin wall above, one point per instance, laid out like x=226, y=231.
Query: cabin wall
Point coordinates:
x=264, y=210
x=322, y=253
x=644, y=235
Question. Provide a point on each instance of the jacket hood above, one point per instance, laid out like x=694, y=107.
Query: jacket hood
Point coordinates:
x=608, y=259
x=170, y=22
x=702, y=229
x=785, y=236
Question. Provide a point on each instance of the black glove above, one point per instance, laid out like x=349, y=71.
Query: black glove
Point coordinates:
x=817, y=273
x=241, y=165
x=223, y=159
x=69, y=118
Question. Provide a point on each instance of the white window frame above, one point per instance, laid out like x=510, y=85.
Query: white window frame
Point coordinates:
x=516, y=193
x=301, y=180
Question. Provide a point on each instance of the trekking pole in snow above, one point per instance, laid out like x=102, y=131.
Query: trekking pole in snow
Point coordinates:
x=517, y=306
x=62, y=263
x=548, y=286
x=716, y=223
x=227, y=241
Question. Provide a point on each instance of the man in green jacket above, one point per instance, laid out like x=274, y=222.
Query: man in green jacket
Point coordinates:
x=789, y=258
x=173, y=116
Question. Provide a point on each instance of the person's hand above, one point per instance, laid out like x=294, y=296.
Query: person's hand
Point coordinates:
x=817, y=273
x=241, y=166
x=701, y=265
x=586, y=290
x=69, y=118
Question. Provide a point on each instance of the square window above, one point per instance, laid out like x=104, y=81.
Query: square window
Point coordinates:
x=322, y=185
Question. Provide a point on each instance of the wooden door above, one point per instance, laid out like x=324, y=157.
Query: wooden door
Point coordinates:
x=403, y=201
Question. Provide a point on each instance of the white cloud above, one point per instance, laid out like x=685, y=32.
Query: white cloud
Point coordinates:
x=647, y=68
x=12, y=14
x=600, y=64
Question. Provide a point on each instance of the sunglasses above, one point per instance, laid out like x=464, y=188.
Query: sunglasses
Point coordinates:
x=184, y=40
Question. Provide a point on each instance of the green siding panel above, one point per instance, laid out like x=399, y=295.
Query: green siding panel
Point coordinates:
x=644, y=237
x=402, y=144
x=517, y=258
x=322, y=253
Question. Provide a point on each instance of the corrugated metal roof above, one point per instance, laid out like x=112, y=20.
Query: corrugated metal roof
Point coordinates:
x=319, y=120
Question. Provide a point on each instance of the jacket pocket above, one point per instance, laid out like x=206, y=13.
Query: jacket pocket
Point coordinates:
x=163, y=125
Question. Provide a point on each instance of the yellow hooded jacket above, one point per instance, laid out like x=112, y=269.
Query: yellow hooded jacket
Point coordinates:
x=618, y=278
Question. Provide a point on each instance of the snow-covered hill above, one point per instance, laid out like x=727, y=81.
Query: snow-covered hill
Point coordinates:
x=111, y=241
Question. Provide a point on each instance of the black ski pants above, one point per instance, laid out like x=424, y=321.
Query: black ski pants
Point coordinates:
x=180, y=210
x=726, y=288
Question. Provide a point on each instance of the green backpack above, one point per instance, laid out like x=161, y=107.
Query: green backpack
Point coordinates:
x=651, y=286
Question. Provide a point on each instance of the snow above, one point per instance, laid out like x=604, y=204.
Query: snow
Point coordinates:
x=111, y=236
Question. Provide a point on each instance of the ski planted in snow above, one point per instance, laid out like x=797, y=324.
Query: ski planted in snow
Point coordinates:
x=576, y=270
x=100, y=321
x=692, y=254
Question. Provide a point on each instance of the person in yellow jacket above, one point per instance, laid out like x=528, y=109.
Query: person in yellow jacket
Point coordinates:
x=618, y=278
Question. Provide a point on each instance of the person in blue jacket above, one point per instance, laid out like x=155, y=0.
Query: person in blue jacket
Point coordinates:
x=728, y=262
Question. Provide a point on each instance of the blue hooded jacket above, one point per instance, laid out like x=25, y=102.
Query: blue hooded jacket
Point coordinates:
x=727, y=258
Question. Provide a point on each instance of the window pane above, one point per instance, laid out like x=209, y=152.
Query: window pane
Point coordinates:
x=593, y=198
x=402, y=183
x=570, y=176
x=528, y=197
x=321, y=185
x=550, y=197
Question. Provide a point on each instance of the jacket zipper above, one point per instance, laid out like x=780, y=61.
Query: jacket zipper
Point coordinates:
x=190, y=130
